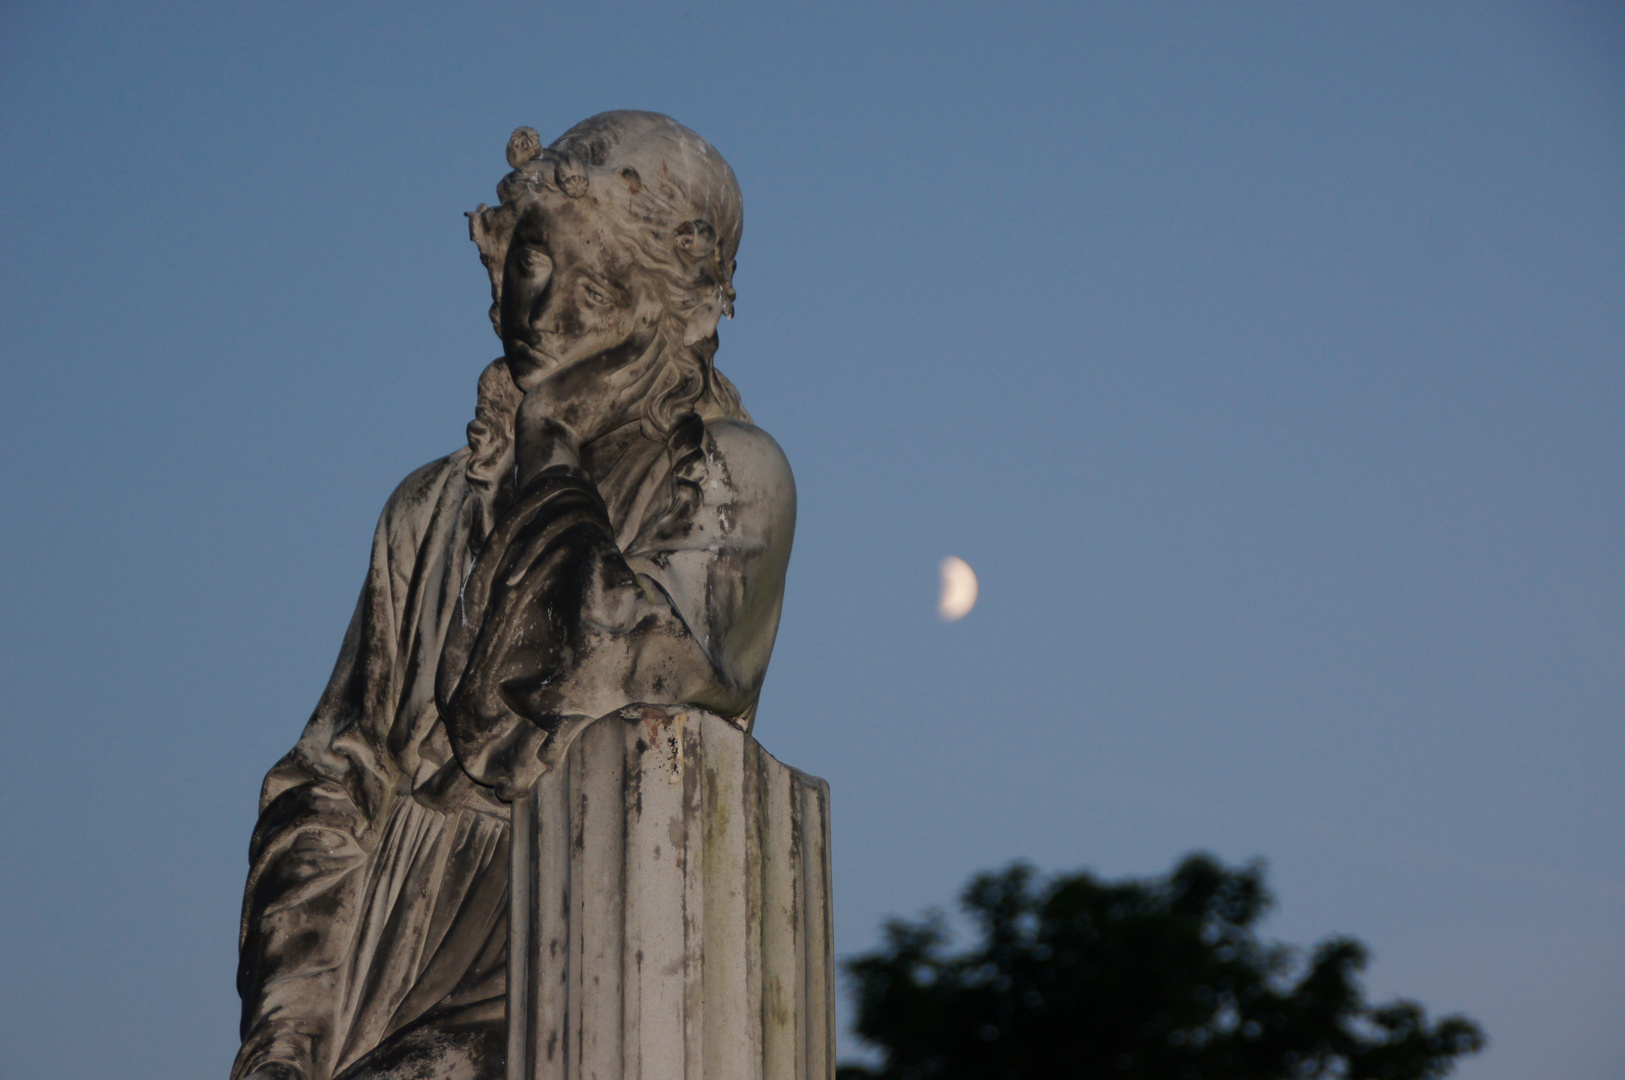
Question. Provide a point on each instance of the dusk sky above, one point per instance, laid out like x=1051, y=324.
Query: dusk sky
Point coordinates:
x=1266, y=362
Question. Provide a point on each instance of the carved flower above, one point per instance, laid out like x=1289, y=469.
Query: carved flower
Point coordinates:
x=523, y=145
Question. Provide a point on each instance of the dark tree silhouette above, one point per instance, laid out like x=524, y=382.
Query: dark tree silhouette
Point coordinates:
x=1158, y=979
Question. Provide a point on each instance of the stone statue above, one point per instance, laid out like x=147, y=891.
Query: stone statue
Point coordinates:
x=614, y=535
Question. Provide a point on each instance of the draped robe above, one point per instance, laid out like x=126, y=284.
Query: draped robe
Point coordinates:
x=374, y=933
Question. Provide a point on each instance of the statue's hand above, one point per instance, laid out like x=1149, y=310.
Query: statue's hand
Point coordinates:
x=570, y=407
x=540, y=440
x=595, y=395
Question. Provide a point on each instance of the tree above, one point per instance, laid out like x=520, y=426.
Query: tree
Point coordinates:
x=1157, y=979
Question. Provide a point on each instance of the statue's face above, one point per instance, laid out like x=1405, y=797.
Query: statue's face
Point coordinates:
x=573, y=296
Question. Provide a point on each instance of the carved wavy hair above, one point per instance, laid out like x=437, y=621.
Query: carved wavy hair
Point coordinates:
x=669, y=196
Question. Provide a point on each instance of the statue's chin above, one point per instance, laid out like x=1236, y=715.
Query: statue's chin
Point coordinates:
x=528, y=366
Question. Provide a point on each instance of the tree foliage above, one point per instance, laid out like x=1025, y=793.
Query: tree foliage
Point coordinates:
x=1159, y=979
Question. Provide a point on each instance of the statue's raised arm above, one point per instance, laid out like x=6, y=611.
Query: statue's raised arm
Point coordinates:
x=615, y=533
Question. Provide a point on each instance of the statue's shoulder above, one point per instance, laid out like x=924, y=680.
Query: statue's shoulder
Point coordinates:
x=425, y=488
x=751, y=463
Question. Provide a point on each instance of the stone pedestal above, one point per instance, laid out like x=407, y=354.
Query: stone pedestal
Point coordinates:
x=671, y=910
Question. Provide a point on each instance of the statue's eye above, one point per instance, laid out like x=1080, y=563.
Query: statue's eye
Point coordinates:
x=595, y=296
x=535, y=262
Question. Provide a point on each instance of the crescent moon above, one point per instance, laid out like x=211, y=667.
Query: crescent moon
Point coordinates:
x=958, y=589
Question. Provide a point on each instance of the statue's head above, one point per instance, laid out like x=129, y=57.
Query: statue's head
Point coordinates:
x=616, y=243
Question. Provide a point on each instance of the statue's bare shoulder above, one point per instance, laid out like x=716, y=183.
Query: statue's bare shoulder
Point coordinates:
x=753, y=470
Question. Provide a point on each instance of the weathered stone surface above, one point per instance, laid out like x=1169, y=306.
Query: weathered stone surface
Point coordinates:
x=671, y=915
x=614, y=534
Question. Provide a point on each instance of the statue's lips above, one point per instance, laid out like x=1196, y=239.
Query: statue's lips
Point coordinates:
x=538, y=362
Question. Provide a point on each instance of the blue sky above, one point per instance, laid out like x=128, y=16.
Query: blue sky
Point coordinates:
x=1264, y=360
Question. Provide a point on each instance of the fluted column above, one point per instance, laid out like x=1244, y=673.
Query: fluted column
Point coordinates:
x=671, y=909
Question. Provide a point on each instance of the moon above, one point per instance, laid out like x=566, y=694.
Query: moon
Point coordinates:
x=958, y=589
